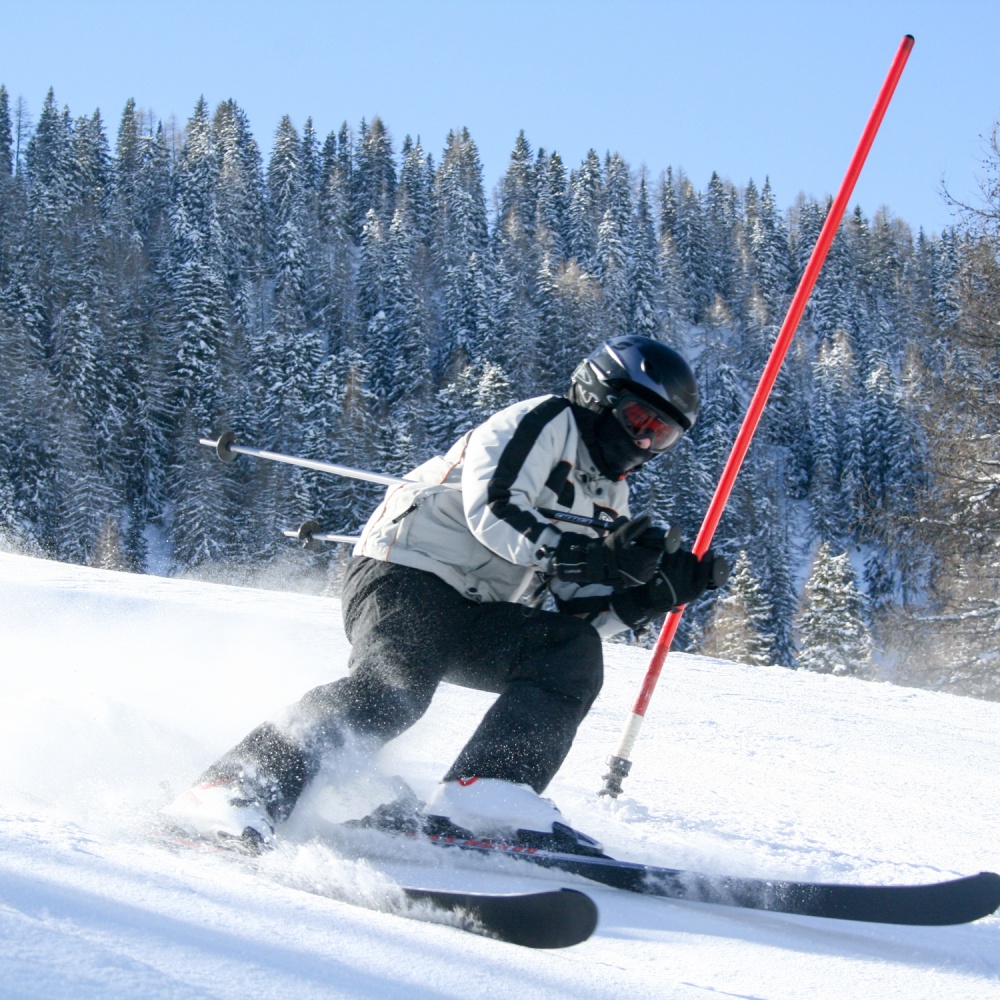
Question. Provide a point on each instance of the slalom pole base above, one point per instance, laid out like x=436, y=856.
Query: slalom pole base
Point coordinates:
x=618, y=769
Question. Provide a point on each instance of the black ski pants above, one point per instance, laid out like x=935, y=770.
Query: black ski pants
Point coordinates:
x=409, y=631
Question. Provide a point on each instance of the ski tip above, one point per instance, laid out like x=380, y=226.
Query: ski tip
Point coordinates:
x=558, y=918
x=990, y=883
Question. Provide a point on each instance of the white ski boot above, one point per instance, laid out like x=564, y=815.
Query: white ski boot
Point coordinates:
x=223, y=812
x=489, y=807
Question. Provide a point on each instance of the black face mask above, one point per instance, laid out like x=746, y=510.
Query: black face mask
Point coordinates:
x=613, y=451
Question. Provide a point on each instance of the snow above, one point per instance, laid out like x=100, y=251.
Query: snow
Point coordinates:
x=119, y=689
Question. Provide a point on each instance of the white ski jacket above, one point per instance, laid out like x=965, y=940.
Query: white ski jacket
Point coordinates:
x=472, y=516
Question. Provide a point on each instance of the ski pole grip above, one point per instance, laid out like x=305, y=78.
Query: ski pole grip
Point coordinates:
x=720, y=571
x=660, y=537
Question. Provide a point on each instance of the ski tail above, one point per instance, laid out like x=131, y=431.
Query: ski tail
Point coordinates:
x=956, y=901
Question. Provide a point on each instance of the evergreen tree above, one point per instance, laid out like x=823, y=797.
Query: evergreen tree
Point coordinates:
x=613, y=256
x=336, y=307
x=835, y=437
x=833, y=634
x=689, y=239
x=241, y=203
x=643, y=272
x=154, y=184
x=552, y=214
x=672, y=297
x=6, y=136
x=724, y=259
x=738, y=627
x=460, y=232
x=373, y=179
x=202, y=526
x=49, y=164
x=516, y=257
x=125, y=171
x=518, y=192
x=416, y=182
x=586, y=209
x=769, y=245
x=475, y=394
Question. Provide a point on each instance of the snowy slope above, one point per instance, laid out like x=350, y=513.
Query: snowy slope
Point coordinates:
x=118, y=688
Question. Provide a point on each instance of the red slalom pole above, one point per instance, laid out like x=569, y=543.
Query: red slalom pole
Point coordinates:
x=619, y=762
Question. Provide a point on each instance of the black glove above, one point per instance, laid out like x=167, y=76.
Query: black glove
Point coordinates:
x=680, y=579
x=617, y=559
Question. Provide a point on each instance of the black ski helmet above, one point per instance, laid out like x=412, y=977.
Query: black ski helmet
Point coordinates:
x=642, y=366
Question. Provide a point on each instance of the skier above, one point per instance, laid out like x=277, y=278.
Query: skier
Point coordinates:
x=447, y=583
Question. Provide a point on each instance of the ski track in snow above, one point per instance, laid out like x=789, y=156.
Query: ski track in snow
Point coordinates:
x=119, y=689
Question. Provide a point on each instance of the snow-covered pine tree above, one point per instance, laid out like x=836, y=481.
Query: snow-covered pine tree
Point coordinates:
x=671, y=294
x=154, y=192
x=586, y=209
x=202, y=521
x=769, y=247
x=738, y=626
x=6, y=136
x=459, y=233
x=723, y=235
x=552, y=216
x=835, y=438
x=643, y=275
x=373, y=178
x=336, y=302
x=692, y=249
x=243, y=207
x=833, y=636
x=477, y=392
x=614, y=245
x=517, y=262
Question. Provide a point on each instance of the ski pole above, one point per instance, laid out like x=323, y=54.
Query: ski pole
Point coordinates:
x=657, y=536
x=228, y=451
x=619, y=763
x=310, y=532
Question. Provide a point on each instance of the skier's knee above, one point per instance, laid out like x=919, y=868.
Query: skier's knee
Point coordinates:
x=576, y=668
x=366, y=705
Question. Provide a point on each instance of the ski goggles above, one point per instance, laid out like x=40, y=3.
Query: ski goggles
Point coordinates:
x=643, y=420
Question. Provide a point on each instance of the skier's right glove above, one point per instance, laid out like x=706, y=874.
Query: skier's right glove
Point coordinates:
x=680, y=578
x=617, y=559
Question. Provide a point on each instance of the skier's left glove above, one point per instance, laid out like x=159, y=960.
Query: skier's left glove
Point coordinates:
x=680, y=578
x=618, y=560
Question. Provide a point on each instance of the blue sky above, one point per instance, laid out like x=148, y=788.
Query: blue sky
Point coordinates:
x=749, y=89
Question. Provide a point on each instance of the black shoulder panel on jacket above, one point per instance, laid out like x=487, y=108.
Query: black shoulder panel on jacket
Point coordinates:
x=512, y=459
x=559, y=483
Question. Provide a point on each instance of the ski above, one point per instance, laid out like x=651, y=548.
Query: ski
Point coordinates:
x=956, y=901
x=558, y=918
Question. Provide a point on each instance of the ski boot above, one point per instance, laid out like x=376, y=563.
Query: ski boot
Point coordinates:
x=472, y=808
x=228, y=813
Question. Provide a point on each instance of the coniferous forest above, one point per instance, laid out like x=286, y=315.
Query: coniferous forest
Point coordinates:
x=350, y=299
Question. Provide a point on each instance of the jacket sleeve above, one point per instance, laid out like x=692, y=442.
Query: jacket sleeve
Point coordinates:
x=593, y=602
x=509, y=461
